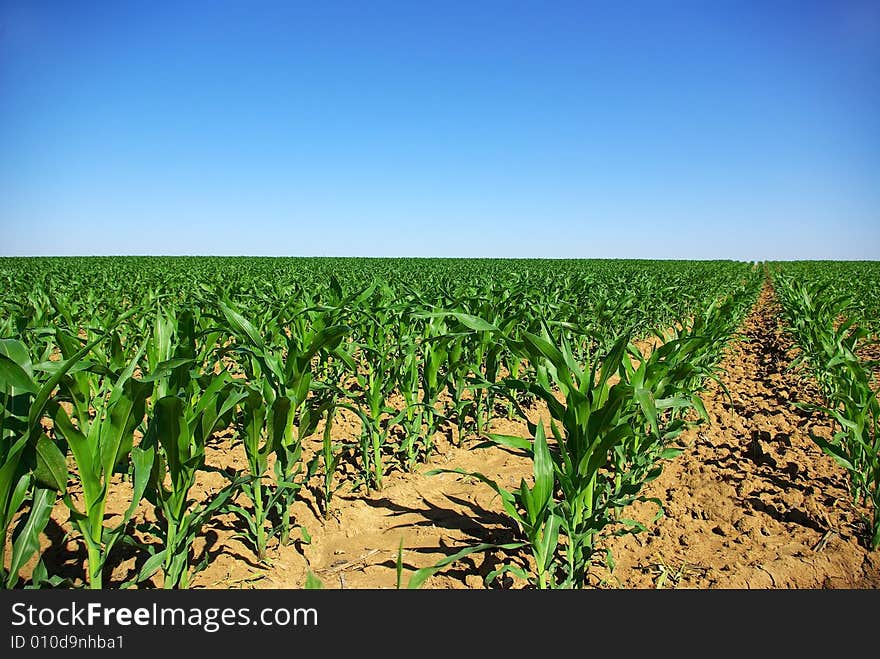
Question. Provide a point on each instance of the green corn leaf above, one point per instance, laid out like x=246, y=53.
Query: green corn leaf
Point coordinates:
x=51, y=467
x=510, y=441
x=646, y=402
x=126, y=413
x=152, y=565
x=504, y=569
x=835, y=451
x=543, y=469
x=13, y=378
x=42, y=399
x=166, y=368
x=18, y=495
x=27, y=536
x=81, y=449
x=549, y=540
x=281, y=412
x=527, y=500
x=471, y=322
x=544, y=347
x=613, y=360
x=420, y=576
x=17, y=352
x=170, y=430
x=326, y=338
x=697, y=402
x=142, y=463
x=242, y=326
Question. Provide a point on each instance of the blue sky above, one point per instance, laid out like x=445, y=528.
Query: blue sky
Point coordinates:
x=522, y=129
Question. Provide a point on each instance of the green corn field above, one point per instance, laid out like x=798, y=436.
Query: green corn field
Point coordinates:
x=124, y=381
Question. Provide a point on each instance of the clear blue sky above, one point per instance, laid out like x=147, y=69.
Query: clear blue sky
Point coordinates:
x=545, y=129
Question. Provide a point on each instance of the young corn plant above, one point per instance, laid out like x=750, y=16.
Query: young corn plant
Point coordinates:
x=329, y=456
x=175, y=446
x=453, y=353
x=457, y=370
x=262, y=429
x=411, y=450
x=171, y=353
x=278, y=413
x=811, y=311
x=534, y=511
x=434, y=383
x=487, y=353
x=375, y=385
x=609, y=440
x=107, y=406
x=33, y=469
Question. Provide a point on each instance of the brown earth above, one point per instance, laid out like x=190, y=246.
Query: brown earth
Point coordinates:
x=751, y=503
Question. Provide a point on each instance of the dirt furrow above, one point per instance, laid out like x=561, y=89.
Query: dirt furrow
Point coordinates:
x=753, y=502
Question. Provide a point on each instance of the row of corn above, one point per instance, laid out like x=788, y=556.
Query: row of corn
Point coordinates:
x=826, y=326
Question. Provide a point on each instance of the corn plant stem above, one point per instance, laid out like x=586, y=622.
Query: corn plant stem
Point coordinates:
x=93, y=552
x=329, y=462
x=169, y=543
x=377, y=457
x=574, y=552
x=95, y=568
x=284, y=536
x=429, y=433
x=3, y=535
x=259, y=518
x=408, y=444
x=542, y=579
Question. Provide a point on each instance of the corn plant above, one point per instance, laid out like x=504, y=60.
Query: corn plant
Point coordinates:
x=411, y=449
x=32, y=467
x=375, y=386
x=108, y=406
x=488, y=316
x=262, y=429
x=450, y=358
x=534, y=511
x=175, y=446
x=258, y=446
x=330, y=457
x=278, y=415
x=610, y=439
